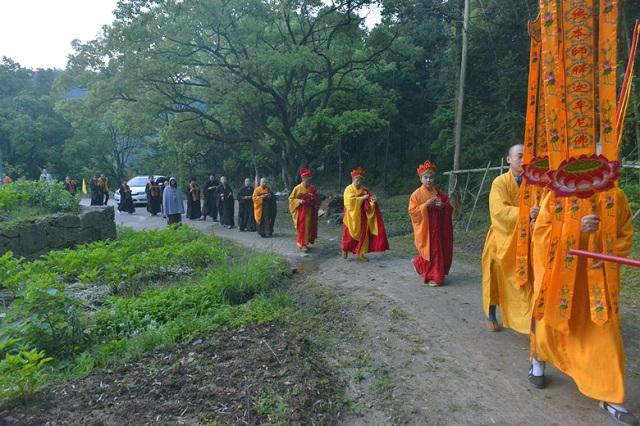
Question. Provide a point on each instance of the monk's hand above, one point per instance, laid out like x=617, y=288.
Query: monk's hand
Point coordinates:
x=431, y=202
x=533, y=213
x=590, y=224
x=365, y=197
x=302, y=202
x=438, y=202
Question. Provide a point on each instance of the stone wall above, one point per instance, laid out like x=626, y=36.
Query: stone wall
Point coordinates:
x=58, y=231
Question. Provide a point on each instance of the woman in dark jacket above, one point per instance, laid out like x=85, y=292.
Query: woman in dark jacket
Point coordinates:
x=153, y=196
x=126, y=200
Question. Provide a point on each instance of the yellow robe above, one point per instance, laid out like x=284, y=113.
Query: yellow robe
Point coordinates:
x=499, y=286
x=257, y=202
x=352, y=219
x=592, y=355
x=294, y=204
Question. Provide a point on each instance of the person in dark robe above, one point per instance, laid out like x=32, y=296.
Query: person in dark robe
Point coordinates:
x=225, y=203
x=172, y=202
x=264, y=207
x=97, y=191
x=210, y=207
x=70, y=186
x=246, y=221
x=194, y=210
x=105, y=188
x=153, y=196
x=126, y=200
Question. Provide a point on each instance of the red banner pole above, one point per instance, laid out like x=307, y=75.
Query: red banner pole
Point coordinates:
x=606, y=257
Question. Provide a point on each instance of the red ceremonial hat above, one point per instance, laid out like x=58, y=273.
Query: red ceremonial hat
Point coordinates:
x=305, y=172
x=358, y=172
x=427, y=166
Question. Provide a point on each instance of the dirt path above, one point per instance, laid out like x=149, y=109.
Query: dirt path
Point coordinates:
x=419, y=355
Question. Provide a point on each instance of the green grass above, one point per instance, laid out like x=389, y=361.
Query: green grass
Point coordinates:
x=218, y=292
x=396, y=217
x=25, y=201
x=629, y=276
x=20, y=216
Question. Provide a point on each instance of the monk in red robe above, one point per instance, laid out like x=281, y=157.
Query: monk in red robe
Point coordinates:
x=431, y=216
x=363, y=229
x=303, y=206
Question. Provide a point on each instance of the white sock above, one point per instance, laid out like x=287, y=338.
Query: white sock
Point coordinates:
x=537, y=366
x=617, y=407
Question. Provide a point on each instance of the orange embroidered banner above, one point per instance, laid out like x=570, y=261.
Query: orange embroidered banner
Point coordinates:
x=607, y=73
x=604, y=282
x=553, y=81
x=555, y=125
x=569, y=39
x=527, y=190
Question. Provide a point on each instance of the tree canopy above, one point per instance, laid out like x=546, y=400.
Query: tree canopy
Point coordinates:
x=233, y=87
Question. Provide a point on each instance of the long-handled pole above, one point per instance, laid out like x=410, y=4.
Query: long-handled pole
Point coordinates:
x=606, y=257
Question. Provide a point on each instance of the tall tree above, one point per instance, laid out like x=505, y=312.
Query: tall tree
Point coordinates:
x=220, y=61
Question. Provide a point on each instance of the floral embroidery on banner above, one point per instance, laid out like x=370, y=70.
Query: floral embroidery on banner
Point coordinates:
x=569, y=258
x=564, y=300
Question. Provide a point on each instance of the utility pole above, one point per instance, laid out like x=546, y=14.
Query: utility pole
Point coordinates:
x=1, y=169
x=457, y=134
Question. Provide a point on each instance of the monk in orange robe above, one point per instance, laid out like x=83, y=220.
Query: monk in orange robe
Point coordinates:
x=499, y=285
x=431, y=216
x=264, y=209
x=362, y=226
x=303, y=206
x=591, y=354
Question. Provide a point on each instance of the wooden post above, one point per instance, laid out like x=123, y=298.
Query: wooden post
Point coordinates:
x=464, y=193
x=457, y=134
x=475, y=202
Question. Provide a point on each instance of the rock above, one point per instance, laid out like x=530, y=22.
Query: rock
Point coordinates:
x=32, y=237
x=58, y=231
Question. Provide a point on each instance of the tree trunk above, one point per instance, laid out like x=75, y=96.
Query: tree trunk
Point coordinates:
x=457, y=136
x=339, y=164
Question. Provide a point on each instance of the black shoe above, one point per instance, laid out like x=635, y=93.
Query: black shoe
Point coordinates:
x=621, y=417
x=538, y=382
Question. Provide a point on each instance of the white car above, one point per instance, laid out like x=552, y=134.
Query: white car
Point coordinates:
x=137, y=185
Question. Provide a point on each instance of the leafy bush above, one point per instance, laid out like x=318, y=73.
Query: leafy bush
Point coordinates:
x=52, y=198
x=259, y=310
x=22, y=371
x=124, y=317
x=49, y=320
x=45, y=317
x=133, y=257
x=8, y=198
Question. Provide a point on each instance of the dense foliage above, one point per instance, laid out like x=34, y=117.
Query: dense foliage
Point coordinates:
x=52, y=198
x=26, y=200
x=235, y=87
x=163, y=286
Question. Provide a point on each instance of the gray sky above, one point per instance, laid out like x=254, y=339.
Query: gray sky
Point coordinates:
x=38, y=33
